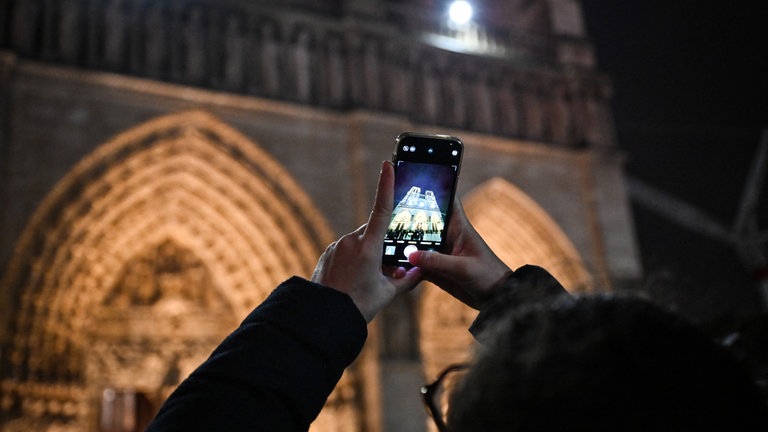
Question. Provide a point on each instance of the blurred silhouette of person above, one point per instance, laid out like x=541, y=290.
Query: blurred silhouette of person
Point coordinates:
x=603, y=362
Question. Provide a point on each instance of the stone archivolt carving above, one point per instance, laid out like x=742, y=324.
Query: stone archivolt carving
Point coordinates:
x=521, y=232
x=141, y=259
x=163, y=277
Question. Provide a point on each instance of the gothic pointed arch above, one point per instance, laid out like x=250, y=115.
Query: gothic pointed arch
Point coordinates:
x=520, y=232
x=142, y=257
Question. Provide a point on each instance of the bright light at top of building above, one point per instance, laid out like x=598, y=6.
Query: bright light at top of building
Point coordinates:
x=460, y=12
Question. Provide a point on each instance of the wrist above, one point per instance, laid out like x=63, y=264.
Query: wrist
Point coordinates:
x=493, y=290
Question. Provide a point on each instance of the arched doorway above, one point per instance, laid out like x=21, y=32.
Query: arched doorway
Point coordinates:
x=520, y=232
x=140, y=260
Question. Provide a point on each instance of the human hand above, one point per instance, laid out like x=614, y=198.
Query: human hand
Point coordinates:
x=471, y=270
x=352, y=264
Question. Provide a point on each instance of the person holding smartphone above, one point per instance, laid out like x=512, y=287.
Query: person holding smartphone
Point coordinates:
x=275, y=372
x=277, y=369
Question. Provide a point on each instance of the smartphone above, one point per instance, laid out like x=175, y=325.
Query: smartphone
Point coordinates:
x=426, y=173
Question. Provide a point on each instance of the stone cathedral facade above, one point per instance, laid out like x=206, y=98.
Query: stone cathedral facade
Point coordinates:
x=164, y=164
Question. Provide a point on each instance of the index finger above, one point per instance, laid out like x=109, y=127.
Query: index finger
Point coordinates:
x=382, y=206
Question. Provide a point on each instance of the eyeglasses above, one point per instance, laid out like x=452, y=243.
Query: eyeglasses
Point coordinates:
x=436, y=395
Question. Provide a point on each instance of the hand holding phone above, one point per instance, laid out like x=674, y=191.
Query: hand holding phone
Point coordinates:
x=426, y=174
x=347, y=264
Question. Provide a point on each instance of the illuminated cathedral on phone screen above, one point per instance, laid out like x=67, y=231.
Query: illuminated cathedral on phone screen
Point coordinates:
x=417, y=217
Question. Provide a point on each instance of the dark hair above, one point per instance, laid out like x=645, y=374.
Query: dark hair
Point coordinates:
x=604, y=362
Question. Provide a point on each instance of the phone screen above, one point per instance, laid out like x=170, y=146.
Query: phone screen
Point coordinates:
x=426, y=172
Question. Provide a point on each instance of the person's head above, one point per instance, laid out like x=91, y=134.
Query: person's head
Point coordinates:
x=600, y=363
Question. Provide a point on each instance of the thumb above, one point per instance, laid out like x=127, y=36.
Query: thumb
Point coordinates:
x=408, y=280
x=382, y=206
x=434, y=262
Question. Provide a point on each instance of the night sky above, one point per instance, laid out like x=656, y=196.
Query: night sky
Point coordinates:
x=690, y=100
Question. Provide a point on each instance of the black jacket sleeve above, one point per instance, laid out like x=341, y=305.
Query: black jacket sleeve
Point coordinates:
x=275, y=372
x=528, y=284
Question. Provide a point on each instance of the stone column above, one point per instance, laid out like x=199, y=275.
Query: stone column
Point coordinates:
x=429, y=91
x=482, y=116
x=560, y=115
x=194, y=47
x=601, y=130
x=299, y=65
x=271, y=60
x=372, y=73
x=334, y=85
x=533, y=101
x=48, y=35
x=399, y=92
x=23, y=36
x=8, y=63
x=155, y=41
x=70, y=31
x=115, y=38
x=354, y=66
x=507, y=101
x=455, y=97
x=5, y=16
x=233, y=53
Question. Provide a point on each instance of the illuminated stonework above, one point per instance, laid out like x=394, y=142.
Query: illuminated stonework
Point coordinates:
x=141, y=259
x=519, y=232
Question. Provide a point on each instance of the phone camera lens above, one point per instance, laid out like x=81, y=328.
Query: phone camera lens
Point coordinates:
x=430, y=150
x=405, y=148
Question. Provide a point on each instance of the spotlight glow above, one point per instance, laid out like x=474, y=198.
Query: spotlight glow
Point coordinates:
x=460, y=12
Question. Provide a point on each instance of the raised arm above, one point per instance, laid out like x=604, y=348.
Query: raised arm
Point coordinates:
x=275, y=372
